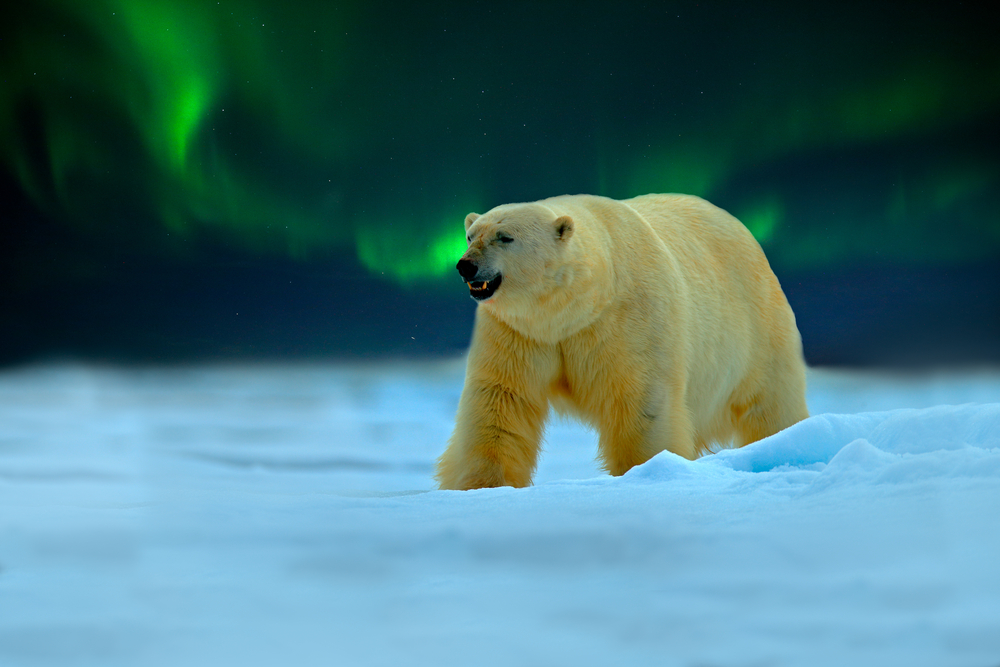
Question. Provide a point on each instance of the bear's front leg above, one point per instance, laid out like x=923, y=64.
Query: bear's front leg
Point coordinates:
x=501, y=414
x=641, y=415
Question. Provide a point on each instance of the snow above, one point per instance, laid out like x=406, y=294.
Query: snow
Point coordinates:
x=283, y=515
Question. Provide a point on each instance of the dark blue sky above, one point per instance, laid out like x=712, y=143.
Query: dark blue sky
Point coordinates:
x=167, y=165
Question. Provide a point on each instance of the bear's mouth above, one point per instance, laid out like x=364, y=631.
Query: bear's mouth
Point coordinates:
x=480, y=291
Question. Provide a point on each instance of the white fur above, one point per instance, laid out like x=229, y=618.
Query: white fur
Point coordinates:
x=656, y=319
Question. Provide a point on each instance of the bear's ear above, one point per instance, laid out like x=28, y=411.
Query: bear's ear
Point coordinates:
x=469, y=219
x=563, y=227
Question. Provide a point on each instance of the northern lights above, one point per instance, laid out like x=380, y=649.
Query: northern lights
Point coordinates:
x=315, y=133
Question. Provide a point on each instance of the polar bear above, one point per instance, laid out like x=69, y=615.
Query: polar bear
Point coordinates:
x=657, y=320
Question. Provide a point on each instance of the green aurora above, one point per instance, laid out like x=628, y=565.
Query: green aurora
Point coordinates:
x=305, y=129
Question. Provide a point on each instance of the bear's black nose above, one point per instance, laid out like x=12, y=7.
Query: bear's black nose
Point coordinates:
x=467, y=269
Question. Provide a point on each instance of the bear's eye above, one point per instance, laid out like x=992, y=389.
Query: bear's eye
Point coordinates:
x=503, y=238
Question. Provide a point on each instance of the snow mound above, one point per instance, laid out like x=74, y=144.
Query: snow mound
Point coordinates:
x=897, y=447
x=822, y=438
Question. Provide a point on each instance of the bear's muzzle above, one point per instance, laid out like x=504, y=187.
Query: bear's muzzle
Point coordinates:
x=481, y=287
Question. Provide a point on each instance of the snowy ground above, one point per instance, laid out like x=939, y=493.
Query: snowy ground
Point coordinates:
x=277, y=515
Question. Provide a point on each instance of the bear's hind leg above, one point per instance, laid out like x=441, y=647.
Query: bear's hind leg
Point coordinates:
x=774, y=406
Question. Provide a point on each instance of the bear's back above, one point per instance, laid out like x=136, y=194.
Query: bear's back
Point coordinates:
x=699, y=232
x=674, y=216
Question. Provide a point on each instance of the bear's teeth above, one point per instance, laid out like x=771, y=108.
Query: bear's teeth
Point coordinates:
x=484, y=285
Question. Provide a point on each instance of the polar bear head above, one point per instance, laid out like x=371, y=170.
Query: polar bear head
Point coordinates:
x=514, y=252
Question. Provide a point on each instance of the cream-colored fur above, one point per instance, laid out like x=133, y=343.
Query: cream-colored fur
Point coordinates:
x=657, y=320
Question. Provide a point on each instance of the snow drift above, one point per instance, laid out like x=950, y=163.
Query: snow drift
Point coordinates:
x=283, y=516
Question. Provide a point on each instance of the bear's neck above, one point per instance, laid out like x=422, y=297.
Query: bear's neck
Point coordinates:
x=558, y=313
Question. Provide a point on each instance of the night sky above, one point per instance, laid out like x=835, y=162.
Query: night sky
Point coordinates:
x=186, y=181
